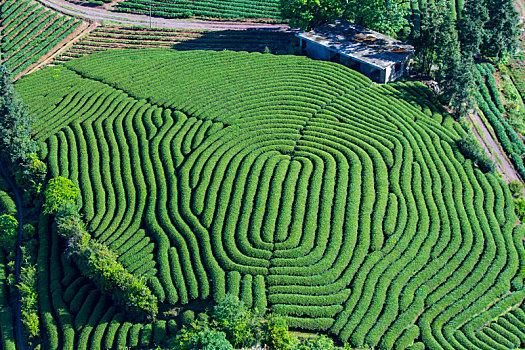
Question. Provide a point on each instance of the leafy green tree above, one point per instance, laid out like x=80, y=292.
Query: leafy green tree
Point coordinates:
x=8, y=231
x=471, y=149
x=277, y=335
x=516, y=188
x=15, y=122
x=455, y=72
x=386, y=16
x=308, y=14
x=229, y=309
x=242, y=327
x=317, y=342
x=501, y=30
x=199, y=336
x=59, y=191
x=426, y=38
x=471, y=27
x=519, y=205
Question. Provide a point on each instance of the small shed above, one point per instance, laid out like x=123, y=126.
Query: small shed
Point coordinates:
x=382, y=58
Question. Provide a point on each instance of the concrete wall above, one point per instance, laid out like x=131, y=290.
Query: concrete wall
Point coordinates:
x=317, y=51
x=373, y=73
x=389, y=74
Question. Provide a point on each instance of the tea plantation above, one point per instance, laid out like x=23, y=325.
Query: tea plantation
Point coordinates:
x=298, y=185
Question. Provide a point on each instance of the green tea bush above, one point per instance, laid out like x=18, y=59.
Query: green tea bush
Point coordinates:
x=297, y=186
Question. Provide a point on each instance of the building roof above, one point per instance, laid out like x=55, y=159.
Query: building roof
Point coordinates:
x=359, y=43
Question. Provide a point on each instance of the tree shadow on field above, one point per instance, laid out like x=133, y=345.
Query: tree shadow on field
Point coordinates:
x=279, y=43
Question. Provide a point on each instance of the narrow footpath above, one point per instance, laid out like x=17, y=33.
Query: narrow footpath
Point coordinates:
x=18, y=312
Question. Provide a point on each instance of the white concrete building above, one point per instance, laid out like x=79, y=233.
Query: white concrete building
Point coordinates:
x=382, y=58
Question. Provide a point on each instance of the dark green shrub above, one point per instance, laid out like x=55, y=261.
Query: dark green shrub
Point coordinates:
x=318, y=342
x=187, y=317
x=516, y=188
x=471, y=149
x=200, y=337
x=277, y=336
x=520, y=208
x=59, y=191
x=8, y=232
x=7, y=205
x=173, y=327
x=159, y=332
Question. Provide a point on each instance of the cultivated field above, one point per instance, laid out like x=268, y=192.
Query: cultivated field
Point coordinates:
x=489, y=102
x=238, y=9
x=29, y=31
x=296, y=184
x=106, y=38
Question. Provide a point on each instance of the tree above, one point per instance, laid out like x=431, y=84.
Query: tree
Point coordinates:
x=386, y=16
x=308, y=14
x=59, y=192
x=15, y=122
x=471, y=27
x=426, y=37
x=455, y=72
x=8, y=227
x=277, y=335
x=16, y=144
x=501, y=30
x=199, y=336
x=471, y=149
x=241, y=326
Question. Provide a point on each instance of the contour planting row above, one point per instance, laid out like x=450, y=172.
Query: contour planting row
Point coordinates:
x=106, y=38
x=30, y=31
x=344, y=206
x=489, y=102
x=503, y=332
x=268, y=9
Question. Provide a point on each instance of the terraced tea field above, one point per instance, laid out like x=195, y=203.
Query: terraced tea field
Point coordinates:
x=29, y=31
x=107, y=38
x=267, y=9
x=296, y=184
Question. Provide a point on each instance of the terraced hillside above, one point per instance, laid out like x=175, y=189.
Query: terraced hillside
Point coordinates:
x=504, y=332
x=491, y=105
x=267, y=9
x=296, y=184
x=106, y=38
x=29, y=31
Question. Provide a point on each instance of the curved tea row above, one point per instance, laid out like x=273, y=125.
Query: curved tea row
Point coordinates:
x=297, y=185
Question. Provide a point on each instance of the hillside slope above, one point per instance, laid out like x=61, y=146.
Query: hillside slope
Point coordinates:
x=296, y=184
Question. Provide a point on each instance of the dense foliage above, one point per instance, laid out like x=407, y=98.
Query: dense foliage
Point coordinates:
x=96, y=261
x=470, y=147
x=386, y=16
x=296, y=185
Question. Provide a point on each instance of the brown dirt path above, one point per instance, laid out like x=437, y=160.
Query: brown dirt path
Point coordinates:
x=490, y=144
x=101, y=14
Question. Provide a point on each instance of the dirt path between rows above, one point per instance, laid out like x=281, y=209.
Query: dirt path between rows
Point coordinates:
x=101, y=14
x=491, y=145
